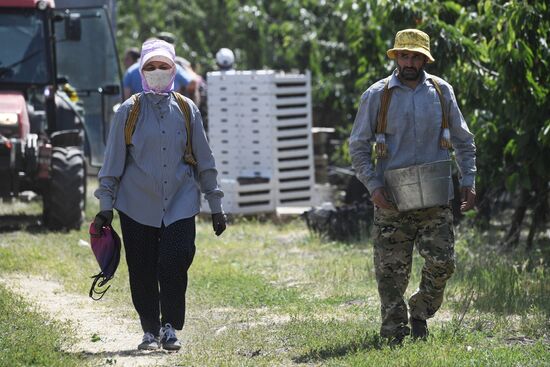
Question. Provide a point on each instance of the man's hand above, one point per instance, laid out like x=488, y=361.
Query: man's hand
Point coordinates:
x=380, y=198
x=218, y=223
x=103, y=218
x=467, y=198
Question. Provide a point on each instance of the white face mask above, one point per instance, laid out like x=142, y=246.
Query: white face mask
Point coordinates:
x=158, y=80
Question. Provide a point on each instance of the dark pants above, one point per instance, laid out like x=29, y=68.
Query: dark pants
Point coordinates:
x=158, y=260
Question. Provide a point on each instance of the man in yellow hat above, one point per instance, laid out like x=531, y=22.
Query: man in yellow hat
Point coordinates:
x=413, y=121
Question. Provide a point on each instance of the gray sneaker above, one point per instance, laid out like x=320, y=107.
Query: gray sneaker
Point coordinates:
x=149, y=342
x=168, y=338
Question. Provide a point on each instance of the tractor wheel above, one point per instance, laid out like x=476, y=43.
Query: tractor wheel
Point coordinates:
x=64, y=198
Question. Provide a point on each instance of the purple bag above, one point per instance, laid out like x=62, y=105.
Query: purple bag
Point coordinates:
x=106, y=248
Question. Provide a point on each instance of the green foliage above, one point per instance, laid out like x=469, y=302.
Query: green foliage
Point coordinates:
x=223, y=285
x=495, y=53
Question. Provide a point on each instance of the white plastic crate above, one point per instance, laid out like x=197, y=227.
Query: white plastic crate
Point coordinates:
x=244, y=199
x=260, y=126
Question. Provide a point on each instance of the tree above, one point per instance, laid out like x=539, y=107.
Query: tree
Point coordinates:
x=494, y=53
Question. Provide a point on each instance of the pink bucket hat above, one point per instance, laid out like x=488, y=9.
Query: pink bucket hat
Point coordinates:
x=157, y=50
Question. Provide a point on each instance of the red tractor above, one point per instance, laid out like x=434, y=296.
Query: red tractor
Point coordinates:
x=59, y=81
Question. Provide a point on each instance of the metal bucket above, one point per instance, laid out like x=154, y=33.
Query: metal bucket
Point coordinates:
x=421, y=186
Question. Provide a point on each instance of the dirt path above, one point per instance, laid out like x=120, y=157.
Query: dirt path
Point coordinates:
x=112, y=340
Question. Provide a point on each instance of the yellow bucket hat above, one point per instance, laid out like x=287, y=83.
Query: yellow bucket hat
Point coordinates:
x=411, y=40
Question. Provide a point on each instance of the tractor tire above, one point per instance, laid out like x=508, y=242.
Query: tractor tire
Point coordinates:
x=65, y=196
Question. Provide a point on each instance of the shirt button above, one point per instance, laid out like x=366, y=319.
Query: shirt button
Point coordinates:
x=163, y=131
x=165, y=198
x=164, y=165
x=163, y=148
x=165, y=182
x=161, y=117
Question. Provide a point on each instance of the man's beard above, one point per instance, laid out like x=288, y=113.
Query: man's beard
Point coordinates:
x=408, y=73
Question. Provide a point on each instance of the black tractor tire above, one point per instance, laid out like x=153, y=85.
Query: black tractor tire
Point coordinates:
x=65, y=196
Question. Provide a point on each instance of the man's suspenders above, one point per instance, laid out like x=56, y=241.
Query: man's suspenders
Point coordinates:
x=381, y=148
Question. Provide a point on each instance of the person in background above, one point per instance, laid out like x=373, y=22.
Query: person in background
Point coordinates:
x=184, y=82
x=193, y=91
x=225, y=59
x=131, y=56
x=198, y=90
x=167, y=36
x=413, y=118
x=147, y=178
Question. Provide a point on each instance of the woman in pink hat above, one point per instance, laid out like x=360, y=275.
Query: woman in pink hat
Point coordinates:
x=148, y=178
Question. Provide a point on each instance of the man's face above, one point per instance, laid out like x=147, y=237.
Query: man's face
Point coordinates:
x=410, y=64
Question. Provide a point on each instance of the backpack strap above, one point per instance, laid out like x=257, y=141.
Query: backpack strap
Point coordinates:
x=186, y=110
x=131, y=121
x=133, y=115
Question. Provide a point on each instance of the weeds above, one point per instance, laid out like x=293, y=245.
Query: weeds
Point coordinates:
x=268, y=294
x=28, y=339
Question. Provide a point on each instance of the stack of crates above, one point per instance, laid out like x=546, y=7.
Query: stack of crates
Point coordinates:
x=260, y=132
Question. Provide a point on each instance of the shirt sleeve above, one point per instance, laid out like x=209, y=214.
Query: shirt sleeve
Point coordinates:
x=361, y=140
x=206, y=165
x=463, y=142
x=114, y=161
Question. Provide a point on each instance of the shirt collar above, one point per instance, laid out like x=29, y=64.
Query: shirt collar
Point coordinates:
x=157, y=97
x=395, y=82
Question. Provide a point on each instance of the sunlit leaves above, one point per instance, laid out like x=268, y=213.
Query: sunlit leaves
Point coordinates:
x=495, y=53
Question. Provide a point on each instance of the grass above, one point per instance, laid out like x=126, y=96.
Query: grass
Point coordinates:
x=28, y=339
x=269, y=294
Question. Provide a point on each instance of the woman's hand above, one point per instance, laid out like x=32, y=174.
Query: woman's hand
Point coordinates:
x=103, y=218
x=218, y=223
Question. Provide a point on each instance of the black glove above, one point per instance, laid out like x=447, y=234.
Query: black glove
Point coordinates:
x=103, y=218
x=218, y=223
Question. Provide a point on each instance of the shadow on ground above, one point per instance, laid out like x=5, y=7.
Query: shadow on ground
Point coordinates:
x=371, y=341
x=127, y=353
x=21, y=222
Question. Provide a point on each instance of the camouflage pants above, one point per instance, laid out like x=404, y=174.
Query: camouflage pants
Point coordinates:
x=394, y=237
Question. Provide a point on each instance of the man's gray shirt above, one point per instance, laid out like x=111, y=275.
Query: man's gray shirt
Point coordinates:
x=413, y=131
x=149, y=181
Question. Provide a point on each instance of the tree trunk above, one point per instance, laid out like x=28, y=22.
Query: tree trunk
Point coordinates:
x=539, y=214
x=512, y=238
x=486, y=200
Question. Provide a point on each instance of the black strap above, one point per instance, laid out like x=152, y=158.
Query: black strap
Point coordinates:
x=94, y=289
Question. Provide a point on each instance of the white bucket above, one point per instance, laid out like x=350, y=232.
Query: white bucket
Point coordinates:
x=420, y=186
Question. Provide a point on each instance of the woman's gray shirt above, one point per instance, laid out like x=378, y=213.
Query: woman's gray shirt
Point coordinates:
x=149, y=180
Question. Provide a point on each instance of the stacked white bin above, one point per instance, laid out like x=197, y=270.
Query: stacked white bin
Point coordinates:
x=260, y=133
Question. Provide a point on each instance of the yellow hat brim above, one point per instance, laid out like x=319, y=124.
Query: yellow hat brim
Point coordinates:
x=392, y=52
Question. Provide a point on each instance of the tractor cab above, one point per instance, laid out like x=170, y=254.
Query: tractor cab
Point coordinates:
x=59, y=82
x=87, y=58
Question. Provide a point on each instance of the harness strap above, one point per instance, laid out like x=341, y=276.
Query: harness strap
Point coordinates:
x=133, y=115
x=384, y=106
x=445, y=140
x=381, y=148
x=184, y=107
